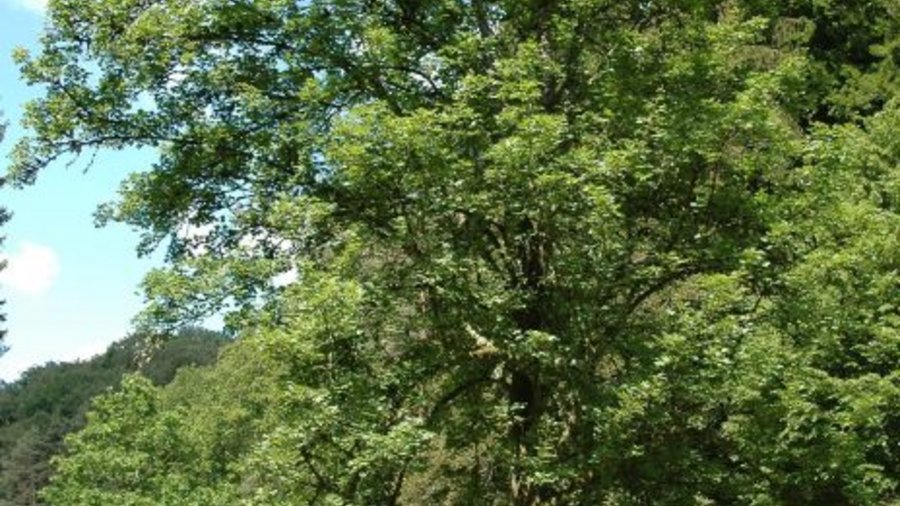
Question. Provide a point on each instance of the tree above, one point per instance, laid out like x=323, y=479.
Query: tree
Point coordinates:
x=183, y=444
x=548, y=252
x=48, y=402
x=4, y=217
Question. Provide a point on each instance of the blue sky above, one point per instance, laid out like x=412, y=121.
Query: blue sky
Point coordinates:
x=71, y=289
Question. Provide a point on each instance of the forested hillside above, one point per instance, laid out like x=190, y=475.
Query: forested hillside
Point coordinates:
x=49, y=401
x=499, y=252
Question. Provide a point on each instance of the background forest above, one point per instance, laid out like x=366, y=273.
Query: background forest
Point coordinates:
x=509, y=252
x=50, y=401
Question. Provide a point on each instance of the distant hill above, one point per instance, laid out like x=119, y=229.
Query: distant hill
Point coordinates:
x=49, y=401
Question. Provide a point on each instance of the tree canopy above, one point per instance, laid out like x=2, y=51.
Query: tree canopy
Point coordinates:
x=546, y=251
x=39, y=409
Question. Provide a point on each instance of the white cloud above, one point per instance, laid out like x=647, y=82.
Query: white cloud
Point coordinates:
x=195, y=236
x=35, y=6
x=286, y=278
x=31, y=270
x=176, y=77
x=21, y=356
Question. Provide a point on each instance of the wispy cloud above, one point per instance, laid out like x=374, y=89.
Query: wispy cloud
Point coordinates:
x=31, y=270
x=35, y=6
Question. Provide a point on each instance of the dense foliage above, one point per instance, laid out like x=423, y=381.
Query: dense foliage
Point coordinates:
x=49, y=401
x=546, y=252
x=185, y=444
